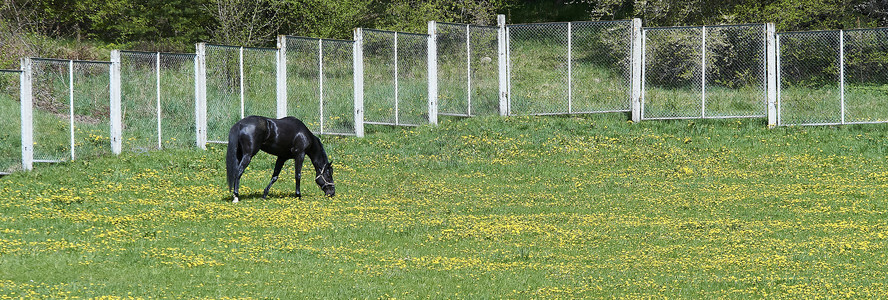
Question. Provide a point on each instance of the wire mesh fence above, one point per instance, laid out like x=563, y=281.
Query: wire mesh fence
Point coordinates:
x=601, y=66
x=10, y=130
x=810, y=79
x=833, y=77
x=240, y=81
x=395, y=78
x=866, y=76
x=705, y=72
x=467, y=69
x=71, y=109
x=320, y=84
x=157, y=99
x=538, y=68
x=823, y=77
x=569, y=68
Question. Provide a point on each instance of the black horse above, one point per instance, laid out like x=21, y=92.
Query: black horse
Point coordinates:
x=285, y=138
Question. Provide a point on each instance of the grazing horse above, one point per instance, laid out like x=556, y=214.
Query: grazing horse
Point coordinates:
x=285, y=138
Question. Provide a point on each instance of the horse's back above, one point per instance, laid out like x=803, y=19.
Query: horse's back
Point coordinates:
x=294, y=123
x=288, y=135
x=250, y=127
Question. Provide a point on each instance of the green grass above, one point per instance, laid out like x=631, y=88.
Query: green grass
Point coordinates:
x=807, y=105
x=748, y=101
x=519, y=207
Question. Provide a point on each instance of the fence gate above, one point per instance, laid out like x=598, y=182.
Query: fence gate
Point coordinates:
x=467, y=66
x=67, y=110
x=705, y=72
x=320, y=83
x=833, y=77
x=10, y=131
x=157, y=99
x=570, y=68
x=395, y=77
x=238, y=82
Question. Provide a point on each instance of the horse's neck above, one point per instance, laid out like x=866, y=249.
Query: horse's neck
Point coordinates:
x=317, y=155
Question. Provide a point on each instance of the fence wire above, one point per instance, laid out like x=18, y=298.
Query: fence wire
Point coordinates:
x=240, y=82
x=866, y=76
x=71, y=109
x=570, y=68
x=395, y=78
x=601, y=66
x=157, y=103
x=10, y=131
x=810, y=66
x=467, y=70
x=538, y=69
x=320, y=84
x=705, y=72
x=833, y=77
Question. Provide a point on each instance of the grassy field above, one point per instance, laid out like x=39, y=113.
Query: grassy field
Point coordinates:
x=519, y=207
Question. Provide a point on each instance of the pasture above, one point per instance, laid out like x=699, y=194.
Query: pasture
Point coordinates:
x=488, y=207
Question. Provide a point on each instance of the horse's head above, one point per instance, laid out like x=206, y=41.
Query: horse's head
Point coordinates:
x=325, y=180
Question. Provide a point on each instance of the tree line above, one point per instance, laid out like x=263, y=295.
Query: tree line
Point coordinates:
x=63, y=27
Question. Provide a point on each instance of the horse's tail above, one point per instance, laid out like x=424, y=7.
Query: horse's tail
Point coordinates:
x=232, y=161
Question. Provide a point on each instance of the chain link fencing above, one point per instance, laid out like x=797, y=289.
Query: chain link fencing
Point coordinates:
x=705, y=72
x=866, y=75
x=467, y=69
x=10, y=131
x=570, y=67
x=810, y=91
x=240, y=82
x=833, y=77
x=71, y=109
x=395, y=78
x=602, y=66
x=320, y=84
x=157, y=100
x=538, y=69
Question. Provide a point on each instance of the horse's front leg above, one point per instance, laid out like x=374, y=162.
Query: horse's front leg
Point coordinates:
x=278, y=165
x=299, y=159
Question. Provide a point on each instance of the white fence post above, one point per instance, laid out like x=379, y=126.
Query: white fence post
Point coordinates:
x=703, y=73
x=240, y=70
x=569, y=67
x=637, y=64
x=842, y=72
x=358, y=77
x=159, y=110
x=432, y=64
x=502, y=63
x=116, y=120
x=200, y=95
x=468, y=69
x=27, y=114
x=71, y=107
x=282, y=77
x=772, y=76
x=321, y=85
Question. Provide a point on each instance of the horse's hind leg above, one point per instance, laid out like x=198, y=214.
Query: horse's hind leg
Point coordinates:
x=278, y=165
x=244, y=162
